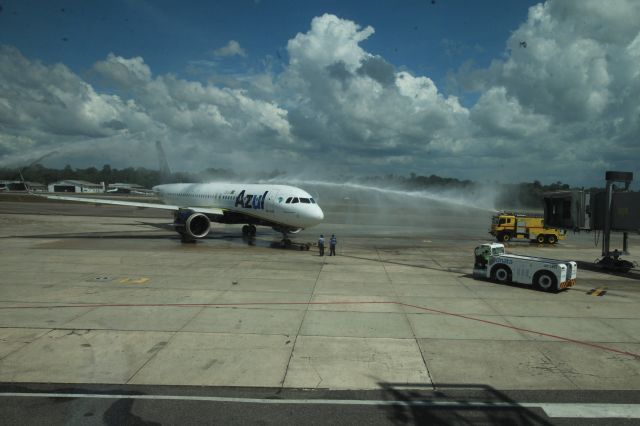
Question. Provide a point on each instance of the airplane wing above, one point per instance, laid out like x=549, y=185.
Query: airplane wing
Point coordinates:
x=206, y=210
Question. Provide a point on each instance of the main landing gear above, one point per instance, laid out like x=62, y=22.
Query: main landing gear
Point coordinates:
x=248, y=231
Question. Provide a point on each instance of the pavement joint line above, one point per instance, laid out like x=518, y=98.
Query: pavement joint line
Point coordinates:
x=557, y=368
x=448, y=270
x=566, y=339
x=569, y=410
x=50, y=330
x=413, y=331
x=61, y=326
x=155, y=353
x=304, y=316
x=346, y=302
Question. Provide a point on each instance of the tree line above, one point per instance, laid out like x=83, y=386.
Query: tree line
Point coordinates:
x=139, y=175
x=517, y=195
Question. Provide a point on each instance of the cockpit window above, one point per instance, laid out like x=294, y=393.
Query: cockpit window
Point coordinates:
x=288, y=200
x=305, y=200
x=312, y=201
x=295, y=200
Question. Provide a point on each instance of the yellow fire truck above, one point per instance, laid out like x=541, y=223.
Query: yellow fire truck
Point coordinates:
x=506, y=226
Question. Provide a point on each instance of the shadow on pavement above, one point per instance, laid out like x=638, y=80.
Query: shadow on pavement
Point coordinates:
x=455, y=404
x=591, y=266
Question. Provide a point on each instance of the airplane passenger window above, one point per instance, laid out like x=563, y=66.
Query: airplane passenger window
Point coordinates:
x=295, y=200
x=288, y=200
x=305, y=200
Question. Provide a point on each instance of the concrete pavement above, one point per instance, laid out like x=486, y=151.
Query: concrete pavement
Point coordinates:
x=118, y=300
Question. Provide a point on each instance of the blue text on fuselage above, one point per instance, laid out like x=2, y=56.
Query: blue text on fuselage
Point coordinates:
x=250, y=201
x=500, y=260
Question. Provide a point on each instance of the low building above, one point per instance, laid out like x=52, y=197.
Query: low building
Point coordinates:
x=5, y=185
x=128, y=188
x=17, y=185
x=36, y=186
x=76, y=186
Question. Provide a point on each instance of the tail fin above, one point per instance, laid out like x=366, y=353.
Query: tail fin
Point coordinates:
x=36, y=161
x=24, y=183
x=165, y=172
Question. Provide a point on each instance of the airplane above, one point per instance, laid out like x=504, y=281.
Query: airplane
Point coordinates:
x=286, y=209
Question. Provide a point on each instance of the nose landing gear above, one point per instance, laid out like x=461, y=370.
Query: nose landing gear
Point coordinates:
x=287, y=243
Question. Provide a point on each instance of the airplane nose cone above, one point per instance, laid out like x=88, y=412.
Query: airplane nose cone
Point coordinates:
x=309, y=215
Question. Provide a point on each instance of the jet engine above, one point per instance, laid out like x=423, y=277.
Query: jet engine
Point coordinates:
x=191, y=225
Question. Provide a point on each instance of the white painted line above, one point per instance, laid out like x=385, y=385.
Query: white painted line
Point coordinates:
x=625, y=411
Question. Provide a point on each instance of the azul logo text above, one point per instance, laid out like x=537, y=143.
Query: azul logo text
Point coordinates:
x=250, y=201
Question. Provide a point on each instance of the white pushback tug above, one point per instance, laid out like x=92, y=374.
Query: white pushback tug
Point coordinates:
x=491, y=262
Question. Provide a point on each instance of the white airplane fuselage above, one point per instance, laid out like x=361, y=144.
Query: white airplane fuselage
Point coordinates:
x=284, y=207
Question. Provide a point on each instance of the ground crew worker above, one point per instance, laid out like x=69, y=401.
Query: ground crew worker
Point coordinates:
x=321, y=244
x=332, y=245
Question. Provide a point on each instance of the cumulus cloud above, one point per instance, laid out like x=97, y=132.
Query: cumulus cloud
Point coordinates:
x=343, y=37
x=42, y=104
x=563, y=107
x=499, y=115
x=232, y=48
x=567, y=87
x=124, y=72
x=357, y=107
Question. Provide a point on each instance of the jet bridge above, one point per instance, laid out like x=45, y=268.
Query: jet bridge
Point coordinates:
x=613, y=209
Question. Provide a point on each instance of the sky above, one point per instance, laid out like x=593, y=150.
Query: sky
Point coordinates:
x=493, y=91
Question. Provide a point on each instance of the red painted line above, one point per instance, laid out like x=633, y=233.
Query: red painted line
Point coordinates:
x=210, y=305
x=566, y=339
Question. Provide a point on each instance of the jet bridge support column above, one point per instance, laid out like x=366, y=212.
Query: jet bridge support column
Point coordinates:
x=606, y=232
x=611, y=260
x=614, y=209
x=625, y=243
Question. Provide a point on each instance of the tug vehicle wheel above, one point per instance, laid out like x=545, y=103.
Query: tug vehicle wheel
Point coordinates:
x=545, y=281
x=502, y=274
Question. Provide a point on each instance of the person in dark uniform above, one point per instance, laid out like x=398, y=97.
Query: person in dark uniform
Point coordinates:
x=321, y=244
x=332, y=245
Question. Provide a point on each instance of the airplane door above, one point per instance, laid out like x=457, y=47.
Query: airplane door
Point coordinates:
x=275, y=201
x=281, y=209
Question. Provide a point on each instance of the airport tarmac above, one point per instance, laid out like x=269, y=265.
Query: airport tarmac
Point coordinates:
x=109, y=295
